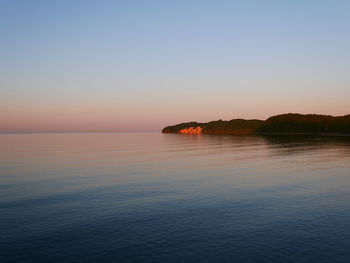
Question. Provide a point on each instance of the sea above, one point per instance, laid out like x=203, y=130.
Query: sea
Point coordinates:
x=152, y=197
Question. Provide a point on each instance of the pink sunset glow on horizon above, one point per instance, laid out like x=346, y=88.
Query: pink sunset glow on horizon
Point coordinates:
x=151, y=67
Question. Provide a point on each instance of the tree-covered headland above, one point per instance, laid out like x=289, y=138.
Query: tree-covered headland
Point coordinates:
x=280, y=124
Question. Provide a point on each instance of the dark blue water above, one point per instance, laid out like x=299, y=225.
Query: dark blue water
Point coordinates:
x=174, y=198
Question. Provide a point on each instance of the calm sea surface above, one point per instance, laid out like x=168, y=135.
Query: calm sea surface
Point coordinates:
x=149, y=197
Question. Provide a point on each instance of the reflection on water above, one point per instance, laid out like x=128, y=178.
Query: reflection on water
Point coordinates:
x=174, y=198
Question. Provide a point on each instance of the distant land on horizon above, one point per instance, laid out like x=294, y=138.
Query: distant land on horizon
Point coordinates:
x=293, y=123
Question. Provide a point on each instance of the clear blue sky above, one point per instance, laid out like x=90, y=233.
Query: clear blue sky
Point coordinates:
x=141, y=65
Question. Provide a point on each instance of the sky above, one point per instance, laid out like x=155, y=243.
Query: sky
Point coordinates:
x=130, y=65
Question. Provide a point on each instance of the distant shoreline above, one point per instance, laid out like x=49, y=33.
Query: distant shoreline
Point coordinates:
x=284, y=124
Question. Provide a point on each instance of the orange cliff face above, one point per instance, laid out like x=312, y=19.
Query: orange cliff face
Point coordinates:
x=192, y=130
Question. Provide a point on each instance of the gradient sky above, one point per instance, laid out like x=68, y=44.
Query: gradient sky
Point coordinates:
x=141, y=65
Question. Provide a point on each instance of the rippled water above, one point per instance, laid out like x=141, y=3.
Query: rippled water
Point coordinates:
x=174, y=198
